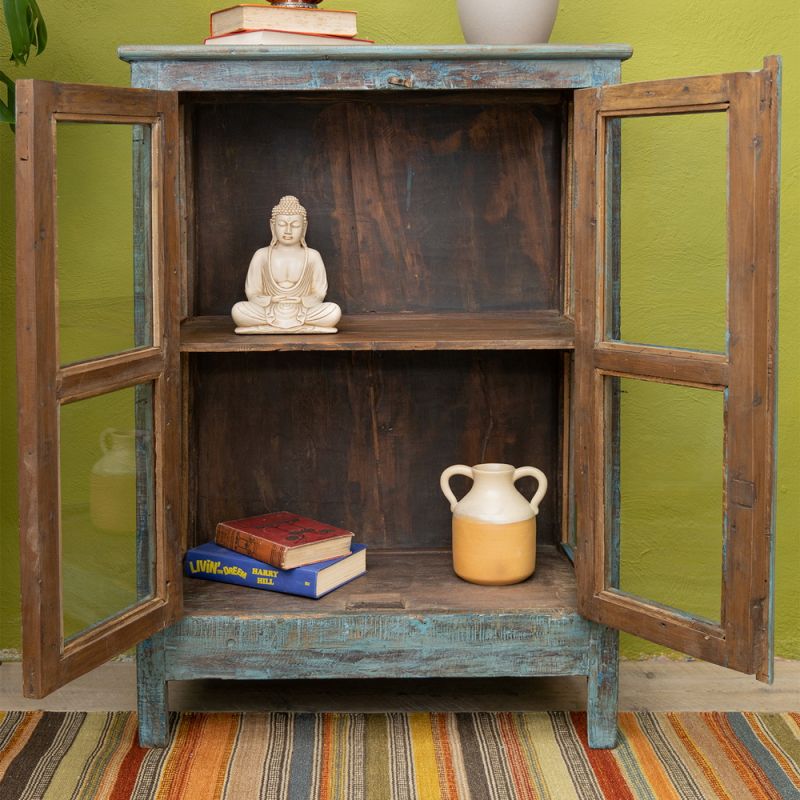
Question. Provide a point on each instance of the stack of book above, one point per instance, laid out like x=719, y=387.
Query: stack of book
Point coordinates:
x=283, y=24
x=279, y=552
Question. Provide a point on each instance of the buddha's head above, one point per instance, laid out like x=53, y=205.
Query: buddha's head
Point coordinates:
x=288, y=222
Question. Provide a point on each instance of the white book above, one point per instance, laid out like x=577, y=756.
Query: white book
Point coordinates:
x=285, y=38
x=282, y=18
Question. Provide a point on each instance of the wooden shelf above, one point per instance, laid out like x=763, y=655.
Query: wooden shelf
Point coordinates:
x=400, y=582
x=535, y=330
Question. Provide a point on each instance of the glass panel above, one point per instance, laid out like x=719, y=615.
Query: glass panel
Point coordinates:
x=672, y=270
x=104, y=239
x=107, y=505
x=670, y=500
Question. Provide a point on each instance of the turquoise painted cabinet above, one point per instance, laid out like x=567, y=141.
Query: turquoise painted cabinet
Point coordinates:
x=466, y=202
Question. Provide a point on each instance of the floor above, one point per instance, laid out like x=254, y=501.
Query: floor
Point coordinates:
x=654, y=685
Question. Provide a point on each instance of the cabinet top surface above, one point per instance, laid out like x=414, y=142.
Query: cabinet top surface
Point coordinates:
x=200, y=68
x=378, y=52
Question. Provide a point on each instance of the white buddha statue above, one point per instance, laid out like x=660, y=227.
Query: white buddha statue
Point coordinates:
x=286, y=281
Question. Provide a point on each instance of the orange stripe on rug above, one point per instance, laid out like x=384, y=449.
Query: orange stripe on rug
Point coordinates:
x=18, y=740
x=196, y=766
x=517, y=760
x=647, y=758
x=604, y=765
x=325, y=761
x=680, y=724
x=129, y=769
x=444, y=757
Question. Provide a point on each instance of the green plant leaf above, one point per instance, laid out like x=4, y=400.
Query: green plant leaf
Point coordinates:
x=17, y=31
x=39, y=26
x=7, y=109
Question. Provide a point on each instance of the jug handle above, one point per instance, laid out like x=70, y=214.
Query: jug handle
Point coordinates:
x=523, y=472
x=104, y=445
x=444, y=481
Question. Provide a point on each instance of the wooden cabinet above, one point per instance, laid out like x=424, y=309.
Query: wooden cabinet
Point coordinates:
x=466, y=201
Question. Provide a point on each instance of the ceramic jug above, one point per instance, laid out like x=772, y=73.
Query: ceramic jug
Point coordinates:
x=494, y=526
x=112, y=483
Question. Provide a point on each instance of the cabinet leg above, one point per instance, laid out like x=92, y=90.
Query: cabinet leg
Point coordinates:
x=152, y=692
x=603, y=687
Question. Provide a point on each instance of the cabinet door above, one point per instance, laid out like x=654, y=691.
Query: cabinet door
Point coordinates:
x=700, y=406
x=98, y=373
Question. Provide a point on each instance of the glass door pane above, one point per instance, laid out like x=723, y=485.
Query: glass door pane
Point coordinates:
x=673, y=243
x=104, y=239
x=107, y=506
x=669, y=504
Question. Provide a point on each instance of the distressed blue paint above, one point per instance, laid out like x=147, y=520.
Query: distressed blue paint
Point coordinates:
x=354, y=76
x=151, y=683
x=380, y=52
x=143, y=336
x=377, y=645
x=252, y=69
x=603, y=687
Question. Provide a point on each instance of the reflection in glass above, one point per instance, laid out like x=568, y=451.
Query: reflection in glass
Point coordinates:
x=107, y=500
x=104, y=239
x=670, y=499
x=673, y=232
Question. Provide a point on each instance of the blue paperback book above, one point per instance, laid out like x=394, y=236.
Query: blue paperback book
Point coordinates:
x=214, y=563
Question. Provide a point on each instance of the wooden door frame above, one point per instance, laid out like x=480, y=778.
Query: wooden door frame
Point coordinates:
x=44, y=385
x=746, y=373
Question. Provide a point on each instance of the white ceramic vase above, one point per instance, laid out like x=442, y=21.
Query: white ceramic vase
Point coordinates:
x=112, y=484
x=507, y=21
x=494, y=526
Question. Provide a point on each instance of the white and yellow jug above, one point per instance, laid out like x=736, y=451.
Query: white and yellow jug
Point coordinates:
x=494, y=526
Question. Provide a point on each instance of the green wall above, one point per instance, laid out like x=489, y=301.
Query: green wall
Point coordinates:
x=670, y=471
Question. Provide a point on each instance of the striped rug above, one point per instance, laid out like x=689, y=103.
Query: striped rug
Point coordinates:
x=415, y=756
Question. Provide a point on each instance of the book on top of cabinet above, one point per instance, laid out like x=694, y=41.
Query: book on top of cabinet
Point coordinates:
x=268, y=36
x=214, y=563
x=245, y=17
x=283, y=539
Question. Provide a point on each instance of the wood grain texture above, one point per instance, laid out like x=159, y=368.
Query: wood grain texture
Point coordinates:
x=768, y=200
x=359, y=440
x=752, y=254
x=381, y=52
x=420, y=204
x=152, y=695
x=653, y=97
x=76, y=102
x=745, y=373
x=44, y=386
x=533, y=330
x=603, y=687
x=392, y=67
x=369, y=645
x=168, y=403
x=444, y=627
x=416, y=581
x=703, y=370
x=37, y=367
x=584, y=409
x=103, y=375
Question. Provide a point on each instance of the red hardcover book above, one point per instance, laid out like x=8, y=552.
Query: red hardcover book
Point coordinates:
x=283, y=539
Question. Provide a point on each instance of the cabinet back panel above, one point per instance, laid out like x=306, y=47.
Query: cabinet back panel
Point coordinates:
x=416, y=203
x=360, y=439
